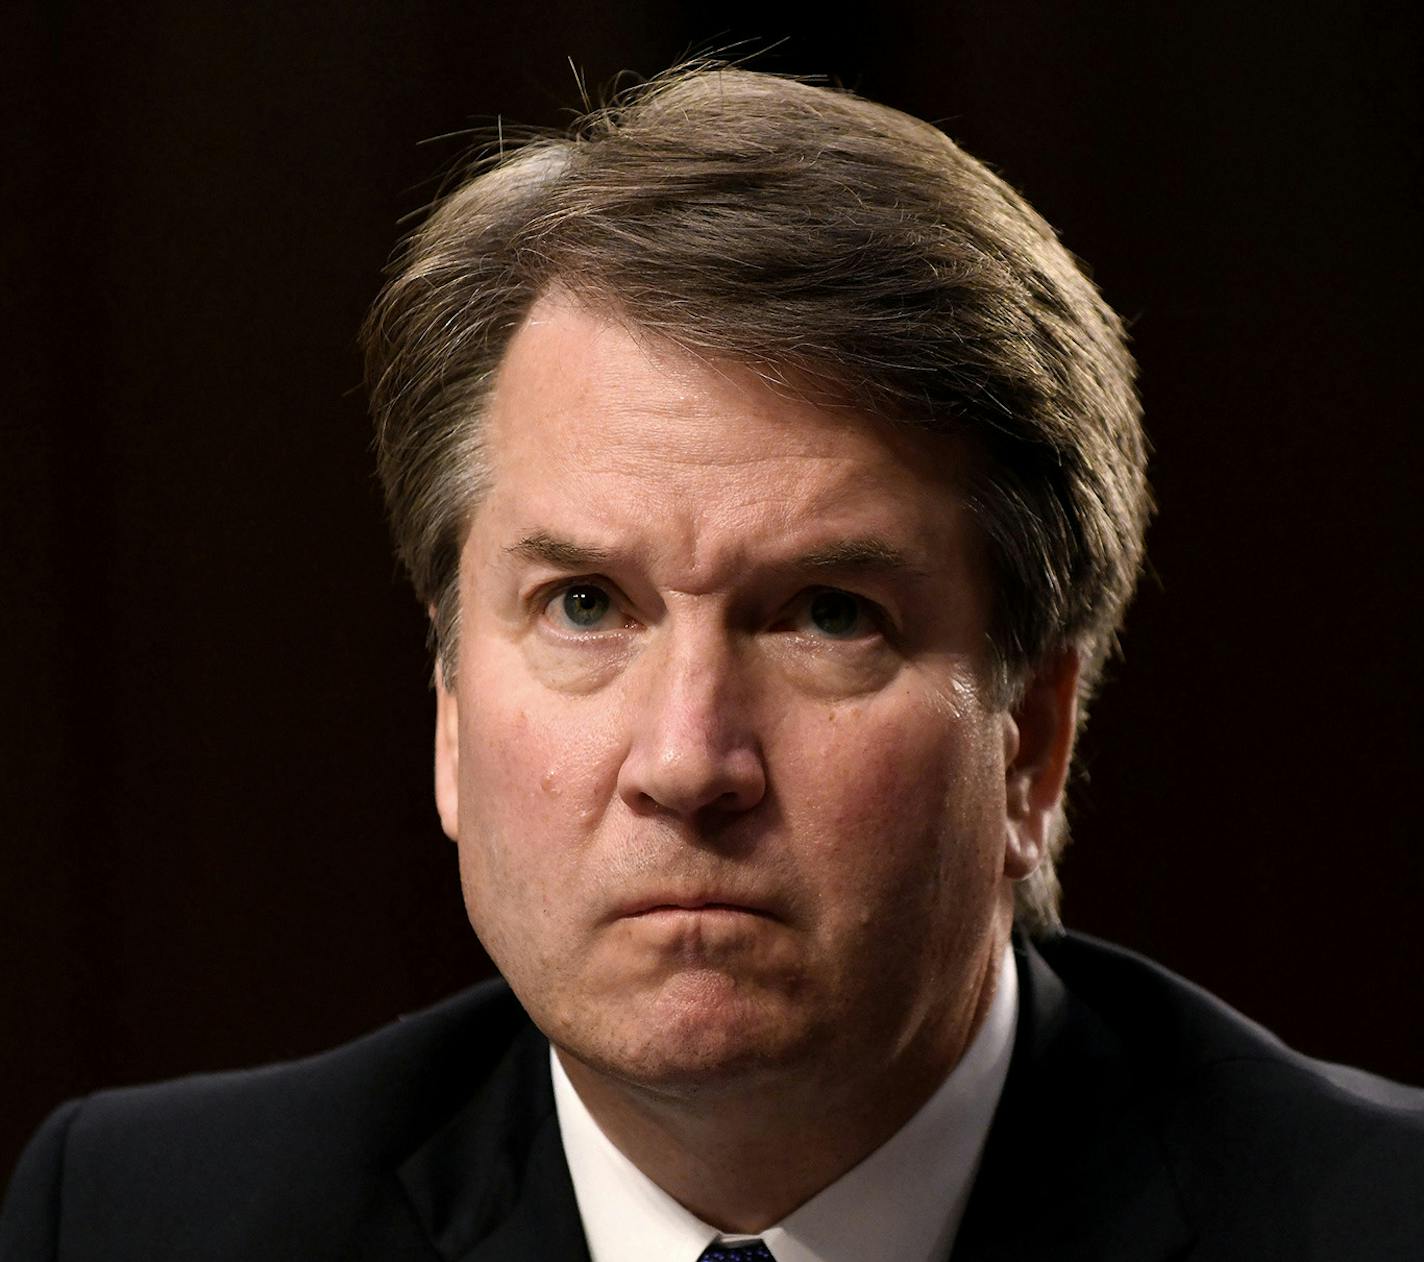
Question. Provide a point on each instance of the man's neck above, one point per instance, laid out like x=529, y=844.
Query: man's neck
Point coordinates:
x=744, y=1157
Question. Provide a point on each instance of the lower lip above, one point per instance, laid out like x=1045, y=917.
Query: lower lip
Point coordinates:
x=697, y=933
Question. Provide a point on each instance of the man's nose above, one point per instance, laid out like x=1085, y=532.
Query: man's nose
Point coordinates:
x=693, y=746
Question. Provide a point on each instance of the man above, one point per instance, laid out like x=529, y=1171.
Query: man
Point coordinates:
x=774, y=482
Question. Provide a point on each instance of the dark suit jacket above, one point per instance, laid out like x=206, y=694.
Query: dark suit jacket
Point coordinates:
x=1142, y=1120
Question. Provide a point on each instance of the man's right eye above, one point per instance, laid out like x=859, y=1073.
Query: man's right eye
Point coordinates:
x=580, y=607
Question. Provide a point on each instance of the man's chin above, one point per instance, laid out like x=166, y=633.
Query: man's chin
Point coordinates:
x=694, y=1034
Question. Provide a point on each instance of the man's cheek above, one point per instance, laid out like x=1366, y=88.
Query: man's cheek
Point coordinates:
x=509, y=874
x=541, y=775
x=499, y=758
x=857, y=815
x=890, y=772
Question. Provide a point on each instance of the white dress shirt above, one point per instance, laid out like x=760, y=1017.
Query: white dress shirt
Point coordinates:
x=902, y=1203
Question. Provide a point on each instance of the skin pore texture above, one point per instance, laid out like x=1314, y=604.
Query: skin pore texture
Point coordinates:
x=736, y=817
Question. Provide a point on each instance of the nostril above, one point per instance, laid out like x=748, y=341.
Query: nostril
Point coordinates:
x=686, y=783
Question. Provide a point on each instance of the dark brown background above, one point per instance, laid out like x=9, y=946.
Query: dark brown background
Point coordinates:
x=218, y=840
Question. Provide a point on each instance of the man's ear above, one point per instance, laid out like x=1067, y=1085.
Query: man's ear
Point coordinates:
x=1039, y=749
x=447, y=755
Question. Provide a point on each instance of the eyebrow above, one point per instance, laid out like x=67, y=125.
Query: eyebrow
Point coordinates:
x=844, y=556
x=561, y=553
x=858, y=555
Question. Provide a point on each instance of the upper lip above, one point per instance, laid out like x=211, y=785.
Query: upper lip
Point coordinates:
x=670, y=901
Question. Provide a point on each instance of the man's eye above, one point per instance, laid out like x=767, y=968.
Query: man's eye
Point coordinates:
x=583, y=606
x=839, y=615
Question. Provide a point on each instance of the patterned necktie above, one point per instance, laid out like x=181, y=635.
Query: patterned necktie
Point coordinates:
x=754, y=1251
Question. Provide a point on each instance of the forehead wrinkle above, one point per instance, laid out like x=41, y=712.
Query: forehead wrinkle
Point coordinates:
x=737, y=545
x=701, y=443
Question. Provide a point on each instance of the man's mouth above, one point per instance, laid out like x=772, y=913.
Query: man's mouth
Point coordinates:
x=674, y=905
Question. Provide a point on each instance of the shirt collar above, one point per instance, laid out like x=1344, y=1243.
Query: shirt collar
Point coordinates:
x=903, y=1202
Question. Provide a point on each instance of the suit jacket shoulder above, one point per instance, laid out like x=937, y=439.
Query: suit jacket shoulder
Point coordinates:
x=1164, y=1124
x=364, y=1151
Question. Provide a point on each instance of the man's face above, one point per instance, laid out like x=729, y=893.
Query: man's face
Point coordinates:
x=730, y=795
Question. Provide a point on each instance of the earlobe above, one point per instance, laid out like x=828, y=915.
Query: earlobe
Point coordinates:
x=1036, y=771
x=447, y=756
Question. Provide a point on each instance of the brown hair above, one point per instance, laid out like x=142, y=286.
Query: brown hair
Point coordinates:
x=847, y=251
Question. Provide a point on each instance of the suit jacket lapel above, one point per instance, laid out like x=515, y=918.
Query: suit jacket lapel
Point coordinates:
x=493, y=1183
x=1073, y=1167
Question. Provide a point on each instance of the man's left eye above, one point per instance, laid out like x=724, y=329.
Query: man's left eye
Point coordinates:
x=838, y=615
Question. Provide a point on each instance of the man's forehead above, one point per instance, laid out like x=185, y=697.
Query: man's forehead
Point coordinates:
x=585, y=359
x=601, y=439
x=593, y=375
